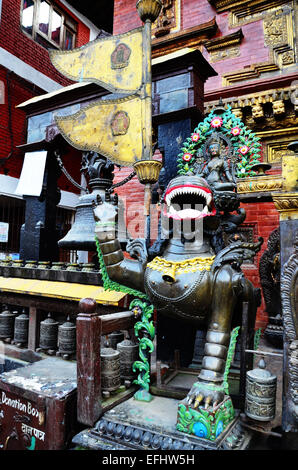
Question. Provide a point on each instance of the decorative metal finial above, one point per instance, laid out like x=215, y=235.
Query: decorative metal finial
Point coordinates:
x=149, y=9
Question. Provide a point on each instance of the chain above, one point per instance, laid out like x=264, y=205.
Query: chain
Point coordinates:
x=116, y=185
x=70, y=178
x=77, y=185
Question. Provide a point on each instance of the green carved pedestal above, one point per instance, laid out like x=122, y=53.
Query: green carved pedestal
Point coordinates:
x=207, y=423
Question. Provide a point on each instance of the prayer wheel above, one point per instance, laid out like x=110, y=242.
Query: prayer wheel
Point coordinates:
x=7, y=319
x=260, y=393
x=115, y=338
x=73, y=267
x=31, y=264
x=129, y=353
x=110, y=369
x=21, y=328
x=67, y=338
x=44, y=265
x=48, y=334
x=57, y=266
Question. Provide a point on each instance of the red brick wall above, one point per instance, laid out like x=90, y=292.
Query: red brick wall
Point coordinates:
x=264, y=218
x=18, y=93
x=125, y=16
x=15, y=41
x=252, y=49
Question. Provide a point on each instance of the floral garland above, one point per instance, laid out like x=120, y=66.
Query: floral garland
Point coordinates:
x=244, y=141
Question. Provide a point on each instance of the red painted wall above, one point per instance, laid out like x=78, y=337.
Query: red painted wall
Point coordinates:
x=264, y=218
x=19, y=93
x=15, y=41
x=252, y=49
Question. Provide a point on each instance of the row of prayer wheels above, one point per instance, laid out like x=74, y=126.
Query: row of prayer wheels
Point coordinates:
x=117, y=356
x=56, y=338
x=117, y=359
x=55, y=266
x=14, y=327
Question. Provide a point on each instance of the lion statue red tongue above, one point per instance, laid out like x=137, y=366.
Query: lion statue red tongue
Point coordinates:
x=188, y=198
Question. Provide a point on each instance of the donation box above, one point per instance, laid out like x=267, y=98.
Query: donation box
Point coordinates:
x=38, y=406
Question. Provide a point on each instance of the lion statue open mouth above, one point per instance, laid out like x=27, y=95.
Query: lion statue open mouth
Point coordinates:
x=188, y=198
x=199, y=281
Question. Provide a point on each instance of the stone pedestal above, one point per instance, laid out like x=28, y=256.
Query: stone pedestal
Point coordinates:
x=135, y=425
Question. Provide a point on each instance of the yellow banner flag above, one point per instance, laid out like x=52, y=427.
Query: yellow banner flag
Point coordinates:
x=113, y=62
x=113, y=128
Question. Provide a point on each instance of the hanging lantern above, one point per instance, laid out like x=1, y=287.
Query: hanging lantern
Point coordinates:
x=7, y=319
x=21, y=328
x=110, y=369
x=48, y=334
x=260, y=393
x=129, y=353
x=67, y=338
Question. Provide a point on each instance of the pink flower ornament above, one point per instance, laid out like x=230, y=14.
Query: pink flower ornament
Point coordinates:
x=235, y=131
x=187, y=156
x=243, y=149
x=195, y=137
x=216, y=122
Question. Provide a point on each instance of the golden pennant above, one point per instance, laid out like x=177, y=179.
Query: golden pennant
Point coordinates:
x=113, y=128
x=113, y=62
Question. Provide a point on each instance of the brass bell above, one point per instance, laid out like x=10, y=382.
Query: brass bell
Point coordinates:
x=48, y=335
x=110, y=369
x=260, y=394
x=99, y=171
x=7, y=319
x=67, y=339
x=21, y=328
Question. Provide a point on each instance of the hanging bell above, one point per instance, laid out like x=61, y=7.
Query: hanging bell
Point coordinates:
x=67, y=338
x=129, y=353
x=81, y=234
x=21, y=328
x=260, y=393
x=7, y=319
x=110, y=369
x=100, y=174
x=48, y=334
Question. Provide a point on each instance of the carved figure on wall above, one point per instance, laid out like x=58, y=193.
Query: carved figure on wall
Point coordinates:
x=166, y=20
x=269, y=270
x=289, y=297
x=186, y=275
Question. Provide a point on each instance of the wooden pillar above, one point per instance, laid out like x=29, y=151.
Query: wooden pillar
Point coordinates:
x=88, y=363
x=34, y=325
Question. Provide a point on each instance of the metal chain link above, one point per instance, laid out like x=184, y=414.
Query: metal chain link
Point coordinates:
x=70, y=178
x=121, y=183
x=77, y=185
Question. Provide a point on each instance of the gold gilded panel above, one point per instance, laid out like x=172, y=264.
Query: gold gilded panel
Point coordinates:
x=276, y=151
x=113, y=62
x=113, y=128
